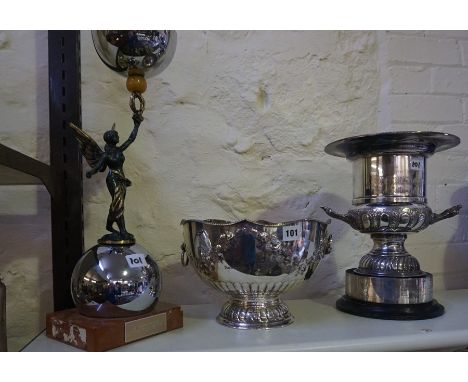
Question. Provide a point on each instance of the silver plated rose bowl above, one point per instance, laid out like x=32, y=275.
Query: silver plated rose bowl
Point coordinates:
x=389, y=195
x=254, y=263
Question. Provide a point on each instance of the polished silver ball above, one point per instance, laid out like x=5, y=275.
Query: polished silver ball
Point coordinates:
x=115, y=281
x=149, y=51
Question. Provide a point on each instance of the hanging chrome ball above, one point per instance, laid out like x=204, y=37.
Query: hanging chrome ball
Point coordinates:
x=147, y=51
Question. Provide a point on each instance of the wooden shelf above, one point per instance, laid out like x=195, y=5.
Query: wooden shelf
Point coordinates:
x=17, y=168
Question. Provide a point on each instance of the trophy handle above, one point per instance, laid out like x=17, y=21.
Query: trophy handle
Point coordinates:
x=448, y=213
x=346, y=218
x=183, y=255
x=327, y=245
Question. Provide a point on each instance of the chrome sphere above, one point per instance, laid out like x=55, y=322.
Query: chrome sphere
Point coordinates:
x=254, y=263
x=150, y=51
x=115, y=281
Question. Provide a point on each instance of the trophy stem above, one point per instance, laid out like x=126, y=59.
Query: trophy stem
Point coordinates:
x=258, y=313
x=389, y=244
x=389, y=258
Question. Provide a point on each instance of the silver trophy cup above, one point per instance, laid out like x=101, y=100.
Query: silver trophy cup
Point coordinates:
x=389, y=182
x=254, y=263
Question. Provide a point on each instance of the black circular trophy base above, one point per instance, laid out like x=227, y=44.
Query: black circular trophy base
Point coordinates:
x=402, y=312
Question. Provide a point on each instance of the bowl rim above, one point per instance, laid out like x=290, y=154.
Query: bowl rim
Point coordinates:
x=263, y=223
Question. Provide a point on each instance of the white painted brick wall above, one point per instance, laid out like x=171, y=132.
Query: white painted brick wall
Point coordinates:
x=450, y=80
x=429, y=83
x=456, y=34
x=465, y=109
x=426, y=108
x=420, y=49
x=464, y=52
x=410, y=79
x=429, y=86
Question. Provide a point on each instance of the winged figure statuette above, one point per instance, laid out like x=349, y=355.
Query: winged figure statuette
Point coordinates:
x=111, y=157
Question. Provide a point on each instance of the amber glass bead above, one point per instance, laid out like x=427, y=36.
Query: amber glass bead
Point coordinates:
x=136, y=83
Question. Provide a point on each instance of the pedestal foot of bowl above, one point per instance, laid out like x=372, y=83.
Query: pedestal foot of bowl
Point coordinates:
x=255, y=314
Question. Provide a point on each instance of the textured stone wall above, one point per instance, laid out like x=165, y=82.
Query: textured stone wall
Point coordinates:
x=235, y=128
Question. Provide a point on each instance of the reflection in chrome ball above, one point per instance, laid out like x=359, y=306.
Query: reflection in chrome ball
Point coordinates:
x=149, y=51
x=115, y=281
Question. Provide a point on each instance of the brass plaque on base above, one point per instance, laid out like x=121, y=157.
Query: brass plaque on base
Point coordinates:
x=100, y=334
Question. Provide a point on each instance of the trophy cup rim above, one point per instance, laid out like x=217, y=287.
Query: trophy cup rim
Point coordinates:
x=263, y=223
x=397, y=142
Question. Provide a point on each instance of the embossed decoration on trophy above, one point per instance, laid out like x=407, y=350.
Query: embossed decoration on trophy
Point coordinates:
x=389, y=182
x=117, y=277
